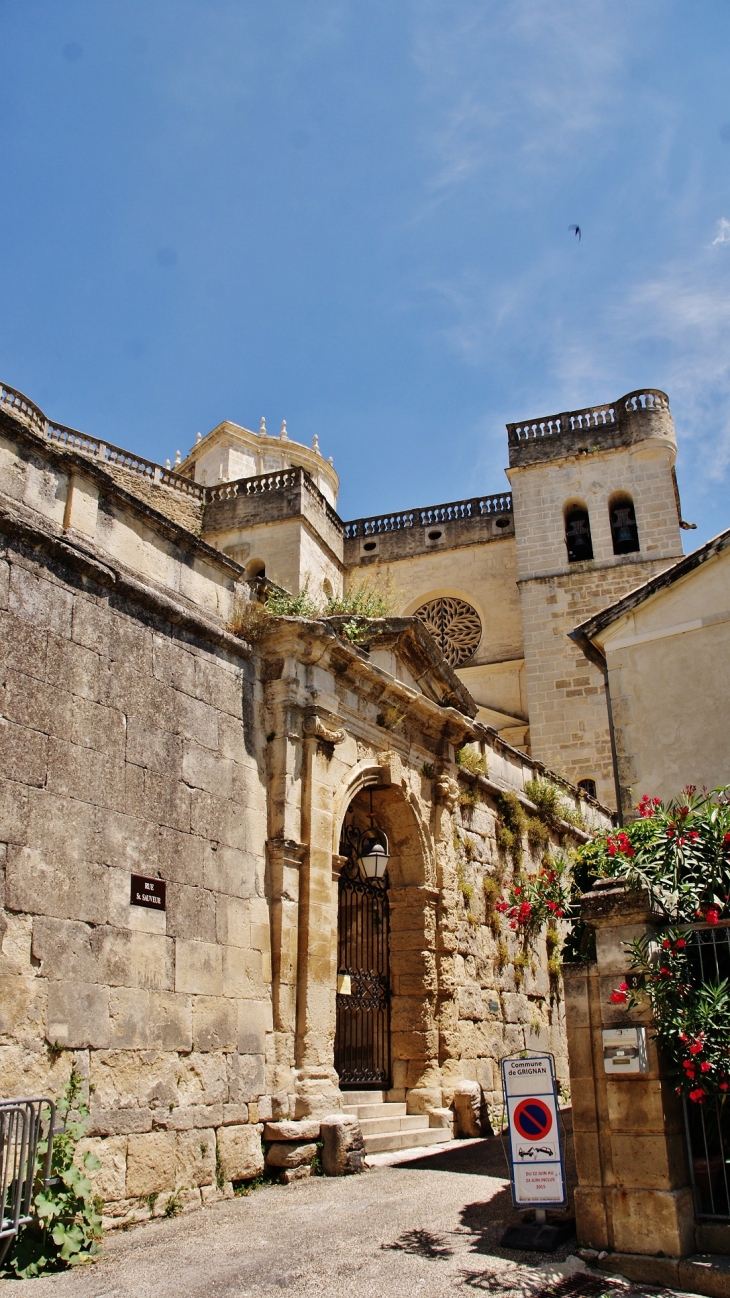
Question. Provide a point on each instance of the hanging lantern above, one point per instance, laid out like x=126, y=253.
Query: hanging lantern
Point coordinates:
x=374, y=855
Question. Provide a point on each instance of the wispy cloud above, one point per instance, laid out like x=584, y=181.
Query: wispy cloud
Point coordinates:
x=514, y=85
x=723, y=231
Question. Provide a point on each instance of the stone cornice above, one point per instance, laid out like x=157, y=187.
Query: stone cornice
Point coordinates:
x=67, y=547
x=317, y=641
x=74, y=461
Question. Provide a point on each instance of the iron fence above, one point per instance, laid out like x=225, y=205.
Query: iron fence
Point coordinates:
x=23, y=1122
x=708, y=1125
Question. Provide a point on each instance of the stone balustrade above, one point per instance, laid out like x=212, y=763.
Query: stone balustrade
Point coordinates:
x=105, y=453
x=476, y=507
x=644, y=413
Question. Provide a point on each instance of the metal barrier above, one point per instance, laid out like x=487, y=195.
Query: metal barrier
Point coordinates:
x=21, y=1129
x=708, y=1125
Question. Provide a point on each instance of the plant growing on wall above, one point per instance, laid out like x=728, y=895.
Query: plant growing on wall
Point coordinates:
x=678, y=853
x=552, y=806
x=67, y=1214
x=511, y=827
x=535, y=903
x=368, y=599
x=470, y=760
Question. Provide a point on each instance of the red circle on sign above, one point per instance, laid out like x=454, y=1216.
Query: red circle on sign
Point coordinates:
x=532, y=1119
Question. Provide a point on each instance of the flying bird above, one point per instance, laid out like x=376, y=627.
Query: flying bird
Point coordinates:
x=576, y=230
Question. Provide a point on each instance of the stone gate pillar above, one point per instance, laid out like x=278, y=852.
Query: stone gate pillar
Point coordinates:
x=633, y=1193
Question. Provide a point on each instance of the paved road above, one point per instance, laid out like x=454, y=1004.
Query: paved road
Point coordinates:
x=423, y=1229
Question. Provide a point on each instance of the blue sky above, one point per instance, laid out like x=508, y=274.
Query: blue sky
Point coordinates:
x=353, y=214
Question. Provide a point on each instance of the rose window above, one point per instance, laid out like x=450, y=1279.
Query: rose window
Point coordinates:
x=454, y=625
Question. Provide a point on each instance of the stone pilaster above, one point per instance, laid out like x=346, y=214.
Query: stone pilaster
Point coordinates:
x=633, y=1191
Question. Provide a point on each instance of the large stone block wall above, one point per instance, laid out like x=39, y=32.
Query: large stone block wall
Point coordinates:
x=128, y=746
x=497, y=1009
x=568, y=715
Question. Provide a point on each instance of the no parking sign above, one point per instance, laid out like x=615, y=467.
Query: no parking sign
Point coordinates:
x=536, y=1151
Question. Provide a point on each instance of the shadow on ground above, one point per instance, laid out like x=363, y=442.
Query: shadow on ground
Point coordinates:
x=485, y=1221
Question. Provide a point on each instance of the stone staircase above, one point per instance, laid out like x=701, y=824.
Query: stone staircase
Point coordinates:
x=386, y=1126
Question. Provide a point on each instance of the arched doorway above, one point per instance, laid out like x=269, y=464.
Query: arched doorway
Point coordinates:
x=362, y=1033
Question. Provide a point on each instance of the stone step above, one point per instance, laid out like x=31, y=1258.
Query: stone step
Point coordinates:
x=381, y=1126
x=364, y=1097
x=406, y=1139
x=376, y=1110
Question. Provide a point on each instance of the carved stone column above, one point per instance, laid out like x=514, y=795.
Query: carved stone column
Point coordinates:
x=317, y=1084
x=285, y=860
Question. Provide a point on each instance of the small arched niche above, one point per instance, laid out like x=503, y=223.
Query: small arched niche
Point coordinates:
x=578, y=538
x=624, y=532
x=255, y=568
x=588, y=785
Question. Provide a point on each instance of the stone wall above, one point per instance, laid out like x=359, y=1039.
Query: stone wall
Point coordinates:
x=128, y=746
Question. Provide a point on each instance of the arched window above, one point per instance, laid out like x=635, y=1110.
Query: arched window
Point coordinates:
x=624, y=532
x=578, y=533
x=588, y=786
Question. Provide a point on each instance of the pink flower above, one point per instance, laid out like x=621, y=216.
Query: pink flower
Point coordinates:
x=618, y=997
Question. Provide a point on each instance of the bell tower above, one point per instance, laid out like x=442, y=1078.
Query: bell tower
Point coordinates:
x=596, y=512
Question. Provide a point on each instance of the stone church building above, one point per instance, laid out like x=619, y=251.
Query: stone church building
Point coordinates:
x=249, y=885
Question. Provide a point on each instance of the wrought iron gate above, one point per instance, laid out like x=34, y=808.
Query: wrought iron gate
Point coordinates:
x=708, y=1125
x=362, y=1038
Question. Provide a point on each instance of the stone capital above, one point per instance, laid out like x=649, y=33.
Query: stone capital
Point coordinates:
x=315, y=727
x=616, y=907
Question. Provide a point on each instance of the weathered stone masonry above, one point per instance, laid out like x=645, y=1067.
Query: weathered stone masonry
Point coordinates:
x=137, y=735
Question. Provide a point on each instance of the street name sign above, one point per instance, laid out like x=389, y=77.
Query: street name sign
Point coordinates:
x=535, y=1145
x=147, y=892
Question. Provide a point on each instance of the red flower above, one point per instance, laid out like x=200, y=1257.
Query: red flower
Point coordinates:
x=705, y=1067
x=697, y=1095
x=501, y=905
x=683, y=1036
x=723, y=1086
x=666, y=972
x=693, y=835
x=618, y=998
x=726, y=839
x=666, y=944
x=713, y=915
x=670, y=833
x=684, y=811
x=696, y=1046
x=559, y=913
x=612, y=848
x=680, y=943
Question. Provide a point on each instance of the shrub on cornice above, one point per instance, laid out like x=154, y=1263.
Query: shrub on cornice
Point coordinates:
x=470, y=760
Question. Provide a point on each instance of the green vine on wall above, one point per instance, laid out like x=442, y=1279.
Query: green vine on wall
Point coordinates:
x=66, y=1226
